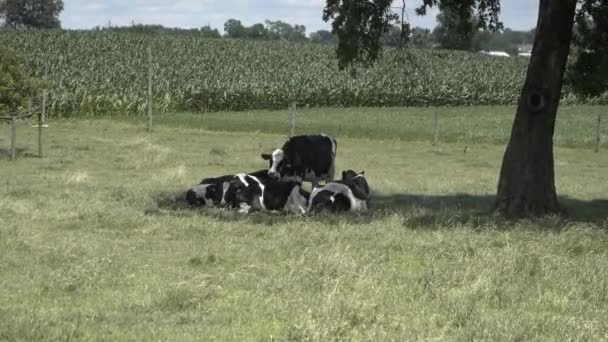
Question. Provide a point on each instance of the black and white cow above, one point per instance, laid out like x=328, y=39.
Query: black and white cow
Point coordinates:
x=357, y=183
x=248, y=192
x=349, y=194
x=211, y=192
x=304, y=158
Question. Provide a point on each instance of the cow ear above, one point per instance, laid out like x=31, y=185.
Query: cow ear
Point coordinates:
x=362, y=173
x=343, y=174
x=266, y=156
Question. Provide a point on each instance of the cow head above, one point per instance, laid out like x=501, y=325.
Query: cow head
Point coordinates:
x=357, y=183
x=204, y=195
x=244, y=191
x=349, y=174
x=278, y=165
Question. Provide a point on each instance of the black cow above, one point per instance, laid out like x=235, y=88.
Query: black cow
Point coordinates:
x=212, y=191
x=304, y=158
x=267, y=194
x=349, y=194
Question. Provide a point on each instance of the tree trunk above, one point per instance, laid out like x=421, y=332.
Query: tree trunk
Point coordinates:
x=527, y=181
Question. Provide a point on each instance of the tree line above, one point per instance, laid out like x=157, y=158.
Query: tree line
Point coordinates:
x=45, y=14
x=441, y=36
x=507, y=40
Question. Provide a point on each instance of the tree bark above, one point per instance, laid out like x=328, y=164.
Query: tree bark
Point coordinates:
x=527, y=180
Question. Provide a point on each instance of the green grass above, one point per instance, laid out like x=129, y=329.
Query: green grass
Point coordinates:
x=576, y=125
x=96, y=243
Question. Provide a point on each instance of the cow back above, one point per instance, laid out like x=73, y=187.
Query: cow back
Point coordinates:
x=310, y=153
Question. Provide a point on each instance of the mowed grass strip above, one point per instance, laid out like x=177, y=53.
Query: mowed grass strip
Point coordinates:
x=576, y=125
x=97, y=244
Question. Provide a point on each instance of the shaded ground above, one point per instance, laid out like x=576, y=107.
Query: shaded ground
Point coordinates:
x=416, y=210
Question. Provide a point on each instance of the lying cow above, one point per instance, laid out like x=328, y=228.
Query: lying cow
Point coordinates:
x=249, y=192
x=357, y=183
x=304, y=158
x=349, y=194
x=211, y=192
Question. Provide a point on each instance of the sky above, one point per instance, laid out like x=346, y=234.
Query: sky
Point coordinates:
x=83, y=14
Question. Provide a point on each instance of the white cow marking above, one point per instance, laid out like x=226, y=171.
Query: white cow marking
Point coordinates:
x=242, y=178
x=277, y=157
x=261, y=187
x=225, y=186
x=296, y=202
x=332, y=169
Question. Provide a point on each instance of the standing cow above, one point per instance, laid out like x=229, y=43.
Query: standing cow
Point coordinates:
x=304, y=158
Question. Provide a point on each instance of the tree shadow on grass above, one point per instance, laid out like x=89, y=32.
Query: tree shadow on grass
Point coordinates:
x=415, y=211
x=476, y=211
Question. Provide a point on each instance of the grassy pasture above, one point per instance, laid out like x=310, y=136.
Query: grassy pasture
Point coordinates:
x=96, y=244
x=576, y=125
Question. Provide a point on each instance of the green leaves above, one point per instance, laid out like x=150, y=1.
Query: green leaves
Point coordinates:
x=588, y=74
x=16, y=86
x=359, y=25
x=31, y=13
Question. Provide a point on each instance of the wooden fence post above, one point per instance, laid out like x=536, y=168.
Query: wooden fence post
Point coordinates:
x=598, y=137
x=45, y=96
x=13, y=136
x=40, y=120
x=44, y=99
x=149, y=96
x=436, y=129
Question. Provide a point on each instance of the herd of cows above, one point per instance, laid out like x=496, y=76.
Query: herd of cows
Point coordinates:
x=302, y=158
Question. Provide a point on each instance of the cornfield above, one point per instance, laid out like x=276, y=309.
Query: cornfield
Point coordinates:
x=96, y=73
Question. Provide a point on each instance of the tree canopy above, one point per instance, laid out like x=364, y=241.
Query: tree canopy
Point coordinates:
x=233, y=28
x=360, y=25
x=16, y=86
x=588, y=74
x=281, y=30
x=31, y=13
x=322, y=37
x=455, y=28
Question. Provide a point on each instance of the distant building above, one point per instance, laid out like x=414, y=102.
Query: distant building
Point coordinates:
x=524, y=48
x=496, y=53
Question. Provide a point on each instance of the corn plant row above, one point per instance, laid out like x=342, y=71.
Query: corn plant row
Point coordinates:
x=97, y=73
